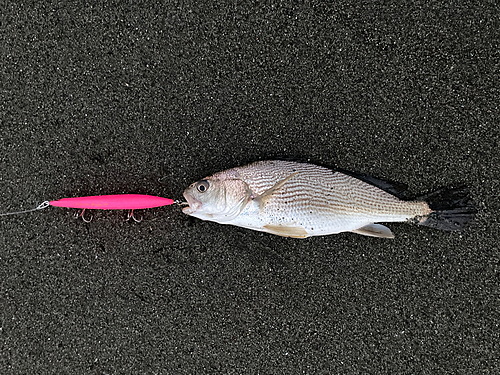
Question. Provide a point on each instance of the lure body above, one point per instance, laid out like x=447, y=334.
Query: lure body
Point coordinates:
x=113, y=202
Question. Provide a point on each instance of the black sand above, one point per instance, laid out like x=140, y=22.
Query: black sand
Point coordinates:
x=147, y=98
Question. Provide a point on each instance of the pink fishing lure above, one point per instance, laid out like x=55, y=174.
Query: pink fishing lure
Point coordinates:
x=113, y=202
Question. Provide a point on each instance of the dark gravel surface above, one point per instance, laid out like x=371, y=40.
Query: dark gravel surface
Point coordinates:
x=131, y=97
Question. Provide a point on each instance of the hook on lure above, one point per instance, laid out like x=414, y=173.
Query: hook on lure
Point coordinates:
x=105, y=202
x=131, y=216
x=82, y=215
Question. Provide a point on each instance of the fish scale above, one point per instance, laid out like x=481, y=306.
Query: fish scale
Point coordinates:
x=324, y=190
x=323, y=201
x=301, y=200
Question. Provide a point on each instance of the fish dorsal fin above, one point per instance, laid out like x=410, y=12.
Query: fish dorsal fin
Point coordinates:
x=262, y=198
x=397, y=189
x=374, y=230
x=287, y=230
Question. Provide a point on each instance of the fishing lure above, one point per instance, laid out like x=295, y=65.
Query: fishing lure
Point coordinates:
x=105, y=202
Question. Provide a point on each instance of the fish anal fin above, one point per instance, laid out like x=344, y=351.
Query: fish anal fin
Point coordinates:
x=262, y=198
x=374, y=230
x=287, y=230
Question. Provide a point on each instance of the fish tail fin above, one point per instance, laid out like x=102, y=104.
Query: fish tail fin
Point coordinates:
x=453, y=209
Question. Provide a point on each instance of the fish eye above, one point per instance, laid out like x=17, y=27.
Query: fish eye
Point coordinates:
x=202, y=186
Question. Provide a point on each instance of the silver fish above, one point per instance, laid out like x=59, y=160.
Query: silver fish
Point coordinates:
x=301, y=200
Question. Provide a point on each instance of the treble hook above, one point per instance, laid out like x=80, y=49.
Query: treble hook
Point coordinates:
x=131, y=216
x=77, y=215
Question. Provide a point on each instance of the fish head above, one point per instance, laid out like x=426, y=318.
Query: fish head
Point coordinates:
x=219, y=198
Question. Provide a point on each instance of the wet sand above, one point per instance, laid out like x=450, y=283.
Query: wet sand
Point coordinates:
x=149, y=98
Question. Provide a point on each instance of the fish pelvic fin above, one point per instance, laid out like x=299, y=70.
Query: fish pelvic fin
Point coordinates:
x=287, y=230
x=264, y=197
x=374, y=230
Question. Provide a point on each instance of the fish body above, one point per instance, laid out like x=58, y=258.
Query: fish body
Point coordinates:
x=298, y=200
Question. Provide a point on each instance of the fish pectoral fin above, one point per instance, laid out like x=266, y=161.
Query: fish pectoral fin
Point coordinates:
x=262, y=198
x=287, y=230
x=374, y=230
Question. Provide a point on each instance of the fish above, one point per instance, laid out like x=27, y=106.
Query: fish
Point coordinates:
x=301, y=200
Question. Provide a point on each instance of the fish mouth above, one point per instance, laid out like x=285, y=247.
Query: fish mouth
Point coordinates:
x=194, y=204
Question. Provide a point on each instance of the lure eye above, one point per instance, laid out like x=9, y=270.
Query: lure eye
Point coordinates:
x=202, y=186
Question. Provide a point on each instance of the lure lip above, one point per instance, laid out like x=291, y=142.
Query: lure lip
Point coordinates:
x=113, y=202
